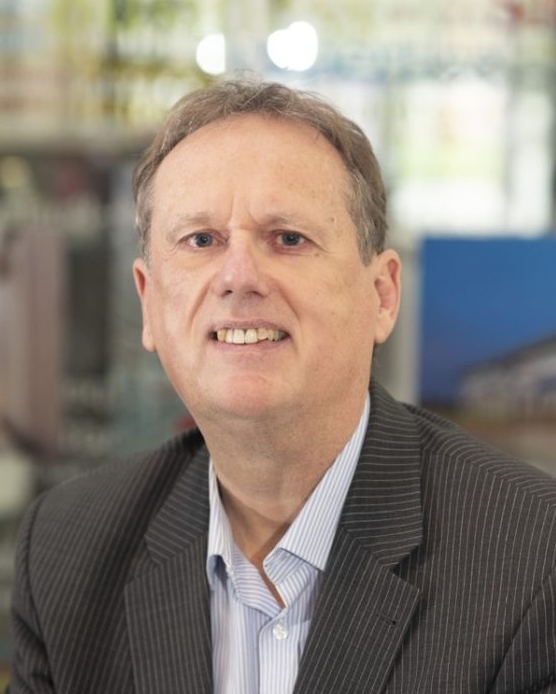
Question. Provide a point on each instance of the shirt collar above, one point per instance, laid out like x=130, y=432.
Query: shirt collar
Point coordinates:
x=220, y=541
x=311, y=534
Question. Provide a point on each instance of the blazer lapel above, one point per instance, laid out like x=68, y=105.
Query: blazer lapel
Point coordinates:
x=365, y=609
x=167, y=603
x=361, y=620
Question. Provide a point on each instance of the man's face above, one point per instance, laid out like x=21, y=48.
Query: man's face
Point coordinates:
x=255, y=297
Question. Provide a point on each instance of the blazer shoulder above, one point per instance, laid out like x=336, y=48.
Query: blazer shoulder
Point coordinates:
x=113, y=503
x=445, y=444
x=145, y=473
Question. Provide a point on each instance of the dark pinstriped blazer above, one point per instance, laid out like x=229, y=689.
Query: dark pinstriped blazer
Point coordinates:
x=441, y=578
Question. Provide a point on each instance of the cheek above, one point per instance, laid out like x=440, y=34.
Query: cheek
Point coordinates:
x=167, y=306
x=340, y=315
x=350, y=298
x=357, y=318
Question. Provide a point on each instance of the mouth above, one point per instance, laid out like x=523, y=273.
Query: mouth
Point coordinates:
x=247, y=336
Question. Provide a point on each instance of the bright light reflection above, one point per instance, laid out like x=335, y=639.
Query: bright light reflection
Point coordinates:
x=294, y=48
x=211, y=54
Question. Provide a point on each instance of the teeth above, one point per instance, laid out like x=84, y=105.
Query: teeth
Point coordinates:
x=238, y=336
x=251, y=336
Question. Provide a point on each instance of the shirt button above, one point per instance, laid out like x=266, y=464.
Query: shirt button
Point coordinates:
x=280, y=631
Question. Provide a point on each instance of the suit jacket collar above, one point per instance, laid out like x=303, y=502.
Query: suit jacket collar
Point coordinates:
x=364, y=609
x=167, y=603
x=383, y=507
x=184, y=516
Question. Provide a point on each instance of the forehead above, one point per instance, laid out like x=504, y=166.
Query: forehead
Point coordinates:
x=268, y=166
x=256, y=137
x=252, y=169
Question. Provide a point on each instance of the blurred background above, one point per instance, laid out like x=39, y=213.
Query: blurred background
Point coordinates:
x=459, y=100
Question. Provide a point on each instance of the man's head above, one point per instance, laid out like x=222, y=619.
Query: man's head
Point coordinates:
x=366, y=199
x=257, y=293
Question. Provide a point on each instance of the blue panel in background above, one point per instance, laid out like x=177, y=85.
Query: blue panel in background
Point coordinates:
x=481, y=300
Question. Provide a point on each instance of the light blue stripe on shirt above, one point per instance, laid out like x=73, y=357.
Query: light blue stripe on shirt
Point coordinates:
x=257, y=645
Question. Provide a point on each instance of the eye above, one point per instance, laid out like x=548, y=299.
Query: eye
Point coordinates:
x=201, y=239
x=291, y=238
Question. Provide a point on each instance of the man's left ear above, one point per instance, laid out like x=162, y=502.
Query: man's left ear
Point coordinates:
x=388, y=287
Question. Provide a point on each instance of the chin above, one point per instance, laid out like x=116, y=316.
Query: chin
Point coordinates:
x=240, y=404
x=241, y=394
x=248, y=407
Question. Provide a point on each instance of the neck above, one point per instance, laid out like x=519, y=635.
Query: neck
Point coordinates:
x=267, y=469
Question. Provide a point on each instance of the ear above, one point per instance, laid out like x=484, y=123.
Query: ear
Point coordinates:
x=388, y=288
x=143, y=280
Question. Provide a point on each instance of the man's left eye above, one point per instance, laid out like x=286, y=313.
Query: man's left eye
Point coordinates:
x=291, y=238
x=201, y=240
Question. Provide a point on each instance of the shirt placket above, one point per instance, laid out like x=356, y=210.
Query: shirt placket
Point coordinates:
x=281, y=640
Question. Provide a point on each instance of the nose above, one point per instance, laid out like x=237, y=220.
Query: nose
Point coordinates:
x=243, y=268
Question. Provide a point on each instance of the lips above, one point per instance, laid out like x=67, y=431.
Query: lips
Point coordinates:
x=248, y=336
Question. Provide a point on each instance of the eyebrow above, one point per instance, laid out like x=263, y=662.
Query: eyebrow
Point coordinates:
x=272, y=220
x=184, y=221
x=291, y=221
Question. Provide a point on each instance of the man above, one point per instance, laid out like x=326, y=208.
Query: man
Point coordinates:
x=312, y=536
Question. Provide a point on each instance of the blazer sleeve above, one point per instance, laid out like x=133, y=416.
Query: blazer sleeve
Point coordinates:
x=529, y=666
x=30, y=671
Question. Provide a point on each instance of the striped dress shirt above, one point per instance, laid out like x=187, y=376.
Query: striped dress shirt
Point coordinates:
x=257, y=644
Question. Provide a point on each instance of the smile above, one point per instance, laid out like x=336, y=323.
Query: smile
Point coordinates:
x=249, y=336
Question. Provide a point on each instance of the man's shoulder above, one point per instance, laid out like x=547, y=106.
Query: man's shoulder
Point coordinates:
x=447, y=449
x=128, y=490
